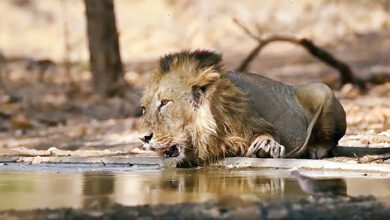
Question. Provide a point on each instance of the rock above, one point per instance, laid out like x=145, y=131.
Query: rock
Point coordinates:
x=36, y=160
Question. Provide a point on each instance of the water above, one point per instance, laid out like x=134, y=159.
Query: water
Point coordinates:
x=56, y=186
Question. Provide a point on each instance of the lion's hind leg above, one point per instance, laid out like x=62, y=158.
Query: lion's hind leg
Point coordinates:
x=319, y=151
x=327, y=120
x=264, y=145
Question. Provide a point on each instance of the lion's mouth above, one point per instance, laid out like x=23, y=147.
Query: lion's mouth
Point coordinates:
x=172, y=151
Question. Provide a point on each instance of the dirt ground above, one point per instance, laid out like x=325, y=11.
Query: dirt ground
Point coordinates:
x=46, y=106
x=322, y=208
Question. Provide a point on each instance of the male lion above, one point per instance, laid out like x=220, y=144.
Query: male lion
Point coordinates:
x=196, y=112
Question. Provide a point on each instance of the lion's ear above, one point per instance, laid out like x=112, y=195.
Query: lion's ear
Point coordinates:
x=203, y=85
x=207, y=59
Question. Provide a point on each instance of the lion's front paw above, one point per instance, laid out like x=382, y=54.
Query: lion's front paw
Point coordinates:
x=265, y=146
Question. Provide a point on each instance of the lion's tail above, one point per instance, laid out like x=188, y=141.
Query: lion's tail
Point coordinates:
x=298, y=151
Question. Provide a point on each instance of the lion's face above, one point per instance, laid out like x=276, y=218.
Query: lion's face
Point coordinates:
x=167, y=111
x=176, y=104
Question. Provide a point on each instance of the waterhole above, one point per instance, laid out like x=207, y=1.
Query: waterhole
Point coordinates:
x=24, y=186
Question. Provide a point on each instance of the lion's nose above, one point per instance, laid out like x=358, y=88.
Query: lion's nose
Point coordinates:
x=146, y=138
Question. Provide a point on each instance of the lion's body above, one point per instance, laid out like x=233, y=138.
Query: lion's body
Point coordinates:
x=197, y=112
x=291, y=109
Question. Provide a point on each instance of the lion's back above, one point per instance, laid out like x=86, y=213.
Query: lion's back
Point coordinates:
x=276, y=103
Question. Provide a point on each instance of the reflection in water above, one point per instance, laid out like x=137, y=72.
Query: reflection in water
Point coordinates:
x=321, y=187
x=174, y=186
x=28, y=190
x=97, y=189
x=376, y=187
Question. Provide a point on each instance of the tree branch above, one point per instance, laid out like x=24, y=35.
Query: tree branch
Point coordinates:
x=371, y=158
x=346, y=73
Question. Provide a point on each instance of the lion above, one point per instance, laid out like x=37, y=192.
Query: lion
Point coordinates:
x=196, y=112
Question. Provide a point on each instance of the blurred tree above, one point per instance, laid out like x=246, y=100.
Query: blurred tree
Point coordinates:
x=2, y=60
x=106, y=65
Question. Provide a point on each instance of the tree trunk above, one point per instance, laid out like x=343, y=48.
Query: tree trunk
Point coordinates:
x=106, y=65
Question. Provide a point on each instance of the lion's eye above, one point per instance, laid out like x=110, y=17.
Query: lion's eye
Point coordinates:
x=163, y=103
x=203, y=88
x=143, y=110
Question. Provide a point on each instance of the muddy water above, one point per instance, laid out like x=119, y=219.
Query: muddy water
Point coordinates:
x=56, y=186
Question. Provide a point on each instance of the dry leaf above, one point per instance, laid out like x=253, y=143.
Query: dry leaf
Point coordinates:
x=20, y=122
